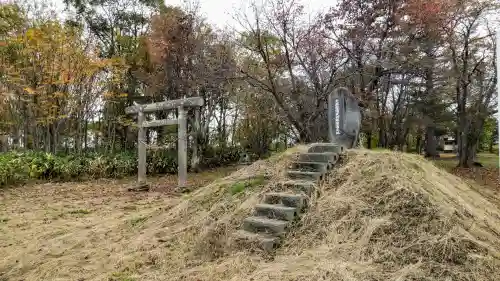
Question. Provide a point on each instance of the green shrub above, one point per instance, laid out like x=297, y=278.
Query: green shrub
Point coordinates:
x=162, y=161
x=19, y=167
x=217, y=157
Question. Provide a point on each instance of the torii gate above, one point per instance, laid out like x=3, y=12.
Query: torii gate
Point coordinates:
x=181, y=122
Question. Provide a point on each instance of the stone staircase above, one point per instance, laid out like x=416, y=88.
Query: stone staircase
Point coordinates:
x=279, y=211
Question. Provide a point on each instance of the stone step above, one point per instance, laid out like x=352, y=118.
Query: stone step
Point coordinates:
x=249, y=239
x=300, y=186
x=320, y=167
x=274, y=211
x=265, y=225
x=300, y=175
x=324, y=157
x=290, y=200
x=327, y=147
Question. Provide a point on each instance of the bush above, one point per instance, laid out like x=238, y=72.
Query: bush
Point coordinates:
x=18, y=167
x=216, y=157
x=162, y=161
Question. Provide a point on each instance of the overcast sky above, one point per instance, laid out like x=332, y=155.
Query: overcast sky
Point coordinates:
x=219, y=12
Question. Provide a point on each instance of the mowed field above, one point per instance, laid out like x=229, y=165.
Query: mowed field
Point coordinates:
x=71, y=227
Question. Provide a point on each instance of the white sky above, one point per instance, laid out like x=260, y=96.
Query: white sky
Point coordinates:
x=218, y=12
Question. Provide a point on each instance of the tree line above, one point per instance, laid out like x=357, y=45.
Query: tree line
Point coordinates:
x=419, y=69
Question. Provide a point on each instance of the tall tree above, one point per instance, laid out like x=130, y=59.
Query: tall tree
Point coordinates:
x=49, y=77
x=474, y=74
x=288, y=58
x=118, y=27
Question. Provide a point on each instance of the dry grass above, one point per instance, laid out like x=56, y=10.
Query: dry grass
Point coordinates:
x=381, y=216
x=394, y=216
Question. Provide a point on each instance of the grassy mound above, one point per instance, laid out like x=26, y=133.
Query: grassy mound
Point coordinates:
x=381, y=216
x=393, y=216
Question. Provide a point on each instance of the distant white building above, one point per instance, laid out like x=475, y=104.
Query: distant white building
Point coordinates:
x=448, y=144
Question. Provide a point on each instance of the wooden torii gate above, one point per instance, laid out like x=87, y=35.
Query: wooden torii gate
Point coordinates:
x=181, y=122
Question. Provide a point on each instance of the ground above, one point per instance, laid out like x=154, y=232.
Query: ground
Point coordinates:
x=62, y=224
x=487, y=176
x=99, y=231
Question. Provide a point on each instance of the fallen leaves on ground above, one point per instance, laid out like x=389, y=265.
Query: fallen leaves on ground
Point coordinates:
x=488, y=177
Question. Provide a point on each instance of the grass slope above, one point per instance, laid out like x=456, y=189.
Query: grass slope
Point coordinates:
x=380, y=216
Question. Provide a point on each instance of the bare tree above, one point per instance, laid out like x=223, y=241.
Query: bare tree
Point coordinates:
x=474, y=76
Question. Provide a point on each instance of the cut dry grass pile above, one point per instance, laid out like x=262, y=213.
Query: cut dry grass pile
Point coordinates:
x=381, y=216
x=394, y=216
x=200, y=226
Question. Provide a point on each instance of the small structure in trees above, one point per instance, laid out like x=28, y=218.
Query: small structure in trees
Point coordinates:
x=448, y=144
x=182, y=105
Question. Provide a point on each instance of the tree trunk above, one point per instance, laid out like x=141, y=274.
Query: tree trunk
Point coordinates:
x=39, y=137
x=234, y=126
x=47, y=139
x=369, y=140
x=404, y=140
x=85, y=133
x=16, y=138
x=492, y=140
x=26, y=133
x=78, y=139
x=430, y=142
x=286, y=140
x=418, y=145
x=467, y=152
x=463, y=143
x=4, y=143
x=53, y=132
x=470, y=137
x=382, y=134
x=224, y=128
x=113, y=137
x=97, y=133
